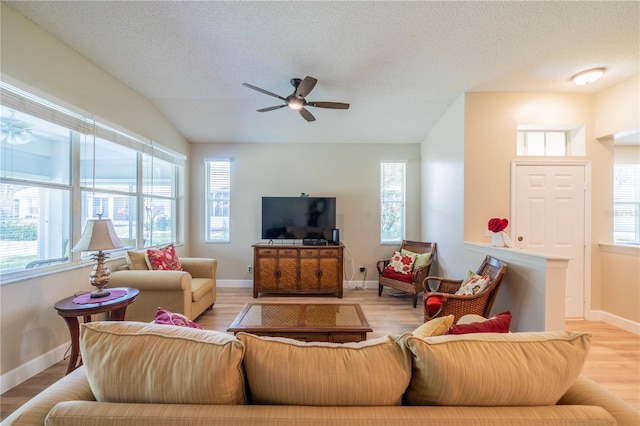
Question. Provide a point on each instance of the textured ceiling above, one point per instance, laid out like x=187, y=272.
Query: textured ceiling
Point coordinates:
x=399, y=64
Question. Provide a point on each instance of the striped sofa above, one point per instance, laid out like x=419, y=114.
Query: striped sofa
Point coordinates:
x=149, y=374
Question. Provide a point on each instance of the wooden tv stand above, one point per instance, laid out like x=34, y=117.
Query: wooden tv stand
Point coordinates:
x=297, y=269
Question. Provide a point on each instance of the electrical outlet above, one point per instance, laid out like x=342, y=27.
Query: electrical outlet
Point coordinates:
x=362, y=269
x=249, y=268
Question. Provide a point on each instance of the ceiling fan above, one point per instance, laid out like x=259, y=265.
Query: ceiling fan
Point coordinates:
x=297, y=100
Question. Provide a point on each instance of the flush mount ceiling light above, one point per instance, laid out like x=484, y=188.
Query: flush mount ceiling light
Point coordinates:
x=588, y=76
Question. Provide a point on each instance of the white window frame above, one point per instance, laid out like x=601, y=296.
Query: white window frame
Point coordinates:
x=387, y=200
x=86, y=124
x=218, y=193
x=575, y=139
x=622, y=209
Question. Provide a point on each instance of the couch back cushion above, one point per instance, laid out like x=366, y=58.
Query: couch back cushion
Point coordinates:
x=284, y=371
x=162, y=364
x=495, y=369
x=137, y=260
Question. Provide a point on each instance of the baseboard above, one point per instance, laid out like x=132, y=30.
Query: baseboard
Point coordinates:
x=616, y=321
x=37, y=365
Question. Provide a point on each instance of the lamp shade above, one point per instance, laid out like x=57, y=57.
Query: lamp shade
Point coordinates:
x=98, y=235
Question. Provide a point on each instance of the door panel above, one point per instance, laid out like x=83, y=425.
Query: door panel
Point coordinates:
x=549, y=212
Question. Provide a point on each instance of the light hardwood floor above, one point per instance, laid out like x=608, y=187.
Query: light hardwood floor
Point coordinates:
x=613, y=361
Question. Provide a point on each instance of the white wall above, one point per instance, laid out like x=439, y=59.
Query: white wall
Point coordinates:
x=442, y=154
x=350, y=172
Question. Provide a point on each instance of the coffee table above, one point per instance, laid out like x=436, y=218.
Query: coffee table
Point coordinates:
x=325, y=322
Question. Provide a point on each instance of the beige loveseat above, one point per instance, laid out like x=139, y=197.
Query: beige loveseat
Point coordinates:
x=146, y=374
x=189, y=292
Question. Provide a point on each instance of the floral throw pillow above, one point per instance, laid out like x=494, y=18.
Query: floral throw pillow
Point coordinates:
x=171, y=318
x=164, y=259
x=401, y=263
x=473, y=285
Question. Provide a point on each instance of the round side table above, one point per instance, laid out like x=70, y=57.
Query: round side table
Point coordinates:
x=70, y=311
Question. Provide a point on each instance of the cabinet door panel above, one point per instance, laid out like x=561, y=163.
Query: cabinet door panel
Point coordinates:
x=309, y=273
x=329, y=279
x=288, y=268
x=267, y=272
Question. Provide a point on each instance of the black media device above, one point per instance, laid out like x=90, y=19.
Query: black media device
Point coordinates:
x=335, y=237
x=310, y=219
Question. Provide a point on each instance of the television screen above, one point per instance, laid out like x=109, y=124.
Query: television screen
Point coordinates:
x=297, y=218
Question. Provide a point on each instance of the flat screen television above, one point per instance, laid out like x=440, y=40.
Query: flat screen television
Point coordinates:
x=297, y=218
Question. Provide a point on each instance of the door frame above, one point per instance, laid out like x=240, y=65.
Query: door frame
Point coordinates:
x=587, y=312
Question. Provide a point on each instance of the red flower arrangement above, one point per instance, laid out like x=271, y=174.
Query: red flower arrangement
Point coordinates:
x=497, y=224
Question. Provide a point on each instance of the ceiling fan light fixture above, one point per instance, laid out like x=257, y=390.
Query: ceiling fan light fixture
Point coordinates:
x=587, y=77
x=295, y=104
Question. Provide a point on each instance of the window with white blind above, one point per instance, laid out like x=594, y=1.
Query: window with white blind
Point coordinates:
x=59, y=168
x=392, y=201
x=626, y=203
x=218, y=182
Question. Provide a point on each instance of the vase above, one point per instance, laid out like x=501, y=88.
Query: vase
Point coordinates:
x=497, y=240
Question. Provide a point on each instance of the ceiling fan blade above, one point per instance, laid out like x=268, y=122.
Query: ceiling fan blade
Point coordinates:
x=271, y=108
x=307, y=115
x=305, y=87
x=266, y=92
x=332, y=105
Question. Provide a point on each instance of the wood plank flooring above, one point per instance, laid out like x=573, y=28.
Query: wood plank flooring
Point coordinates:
x=613, y=361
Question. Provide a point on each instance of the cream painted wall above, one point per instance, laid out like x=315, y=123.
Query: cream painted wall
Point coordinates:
x=617, y=108
x=32, y=335
x=349, y=172
x=620, y=282
x=491, y=121
x=443, y=209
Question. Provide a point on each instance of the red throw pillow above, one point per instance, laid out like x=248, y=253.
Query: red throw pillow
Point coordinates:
x=164, y=259
x=170, y=318
x=433, y=303
x=498, y=324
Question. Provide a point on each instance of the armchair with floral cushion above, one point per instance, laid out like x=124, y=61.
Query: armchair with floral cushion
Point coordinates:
x=185, y=285
x=473, y=295
x=407, y=268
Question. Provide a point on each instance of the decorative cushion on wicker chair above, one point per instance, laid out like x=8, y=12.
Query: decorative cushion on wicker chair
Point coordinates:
x=399, y=276
x=445, y=300
x=410, y=283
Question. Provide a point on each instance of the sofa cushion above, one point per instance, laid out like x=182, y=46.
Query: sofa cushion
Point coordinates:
x=495, y=369
x=435, y=327
x=200, y=287
x=290, y=372
x=149, y=363
x=498, y=324
x=137, y=260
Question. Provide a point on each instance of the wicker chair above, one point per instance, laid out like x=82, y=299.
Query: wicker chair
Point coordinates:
x=479, y=304
x=414, y=284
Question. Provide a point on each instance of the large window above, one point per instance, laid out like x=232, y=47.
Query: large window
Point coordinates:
x=35, y=192
x=392, y=201
x=59, y=168
x=218, y=175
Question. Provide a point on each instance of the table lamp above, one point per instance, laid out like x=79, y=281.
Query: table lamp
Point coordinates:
x=99, y=235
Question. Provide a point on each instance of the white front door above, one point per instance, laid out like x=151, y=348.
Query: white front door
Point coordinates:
x=549, y=217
